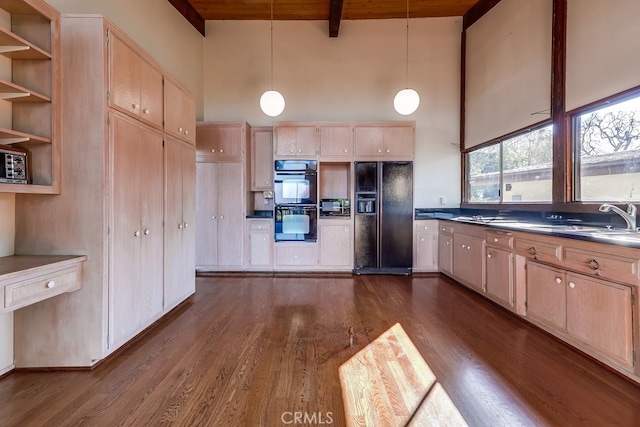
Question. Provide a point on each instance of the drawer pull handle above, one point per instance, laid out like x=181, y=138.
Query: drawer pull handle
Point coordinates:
x=136, y=233
x=572, y=285
x=495, y=239
x=593, y=264
x=558, y=280
x=489, y=255
x=51, y=284
x=532, y=251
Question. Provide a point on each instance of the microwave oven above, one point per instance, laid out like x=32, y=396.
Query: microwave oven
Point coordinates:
x=13, y=166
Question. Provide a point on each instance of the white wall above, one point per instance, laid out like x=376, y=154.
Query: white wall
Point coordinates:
x=159, y=29
x=352, y=77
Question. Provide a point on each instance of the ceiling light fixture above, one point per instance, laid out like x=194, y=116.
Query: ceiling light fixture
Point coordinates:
x=407, y=100
x=272, y=101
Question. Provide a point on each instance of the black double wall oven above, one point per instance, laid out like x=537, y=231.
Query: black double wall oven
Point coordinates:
x=296, y=200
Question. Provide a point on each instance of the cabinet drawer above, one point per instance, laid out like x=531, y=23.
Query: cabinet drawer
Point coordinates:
x=298, y=255
x=537, y=250
x=499, y=239
x=260, y=225
x=612, y=267
x=30, y=291
x=426, y=226
x=445, y=229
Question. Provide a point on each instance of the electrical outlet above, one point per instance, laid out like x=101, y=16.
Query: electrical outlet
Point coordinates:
x=443, y=200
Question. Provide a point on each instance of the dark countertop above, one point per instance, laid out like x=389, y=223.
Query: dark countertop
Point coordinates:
x=592, y=227
x=261, y=214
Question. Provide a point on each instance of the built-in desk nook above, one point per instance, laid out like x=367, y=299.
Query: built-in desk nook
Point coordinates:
x=28, y=279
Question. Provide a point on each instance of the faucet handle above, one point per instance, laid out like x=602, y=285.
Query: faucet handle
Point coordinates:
x=631, y=209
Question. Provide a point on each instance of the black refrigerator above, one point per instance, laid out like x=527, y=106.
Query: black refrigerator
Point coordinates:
x=383, y=217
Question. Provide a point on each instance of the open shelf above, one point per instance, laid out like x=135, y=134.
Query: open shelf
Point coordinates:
x=10, y=136
x=15, y=93
x=15, y=47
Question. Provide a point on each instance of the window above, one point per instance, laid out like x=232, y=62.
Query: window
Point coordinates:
x=607, y=152
x=515, y=170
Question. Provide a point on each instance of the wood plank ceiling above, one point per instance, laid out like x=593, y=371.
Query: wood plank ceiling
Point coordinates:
x=333, y=11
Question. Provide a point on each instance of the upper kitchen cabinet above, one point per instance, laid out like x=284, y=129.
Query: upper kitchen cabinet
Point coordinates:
x=179, y=111
x=261, y=158
x=29, y=38
x=384, y=140
x=336, y=140
x=221, y=141
x=135, y=85
x=295, y=140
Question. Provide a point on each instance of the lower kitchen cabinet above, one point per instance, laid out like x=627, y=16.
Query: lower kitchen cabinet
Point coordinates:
x=425, y=246
x=499, y=270
x=259, y=244
x=336, y=244
x=295, y=256
x=220, y=216
x=468, y=260
x=445, y=248
x=593, y=314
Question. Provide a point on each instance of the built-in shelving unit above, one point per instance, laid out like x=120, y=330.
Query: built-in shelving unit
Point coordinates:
x=32, y=44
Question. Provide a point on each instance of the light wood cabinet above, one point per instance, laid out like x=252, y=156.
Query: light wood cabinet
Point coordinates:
x=295, y=140
x=220, y=216
x=336, y=141
x=445, y=248
x=110, y=209
x=425, y=246
x=499, y=269
x=179, y=111
x=179, y=227
x=391, y=140
x=137, y=232
x=292, y=256
x=595, y=315
x=335, y=237
x=222, y=141
x=135, y=85
x=261, y=159
x=468, y=260
x=259, y=244
x=31, y=47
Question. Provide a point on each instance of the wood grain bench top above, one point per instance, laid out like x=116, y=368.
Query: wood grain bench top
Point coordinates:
x=388, y=383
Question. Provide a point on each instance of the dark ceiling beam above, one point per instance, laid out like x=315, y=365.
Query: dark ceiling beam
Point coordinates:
x=477, y=11
x=335, y=15
x=190, y=13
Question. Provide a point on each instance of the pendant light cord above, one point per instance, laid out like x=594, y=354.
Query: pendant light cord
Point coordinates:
x=407, y=58
x=272, y=44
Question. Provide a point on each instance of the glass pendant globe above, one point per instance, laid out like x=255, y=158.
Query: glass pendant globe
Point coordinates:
x=406, y=101
x=272, y=103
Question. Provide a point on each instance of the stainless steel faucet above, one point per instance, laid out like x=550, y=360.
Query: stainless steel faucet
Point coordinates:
x=629, y=216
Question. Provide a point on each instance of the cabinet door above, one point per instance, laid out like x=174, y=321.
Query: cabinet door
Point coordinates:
x=468, y=260
x=151, y=105
x=231, y=216
x=188, y=118
x=285, y=141
x=219, y=142
x=445, y=254
x=295, y=255
x=336, y=249
x=150, y=287
x=426, y=245
x=499, y=281
x=599, y=314
x=260, y=249
x=206, y=214
x=124, y=82
x=546, y=296
x=173, y=109
x=398, y=141
x=126, y=236
x=261, y=160
x=296, y=141
x=179, y=270
x=369, y=141
x=336, y=141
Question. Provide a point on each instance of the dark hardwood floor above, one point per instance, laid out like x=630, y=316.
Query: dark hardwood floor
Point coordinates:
x=247, y=351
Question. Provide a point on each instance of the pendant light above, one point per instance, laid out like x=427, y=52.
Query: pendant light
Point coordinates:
x=272, y=101
x=407, y=100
